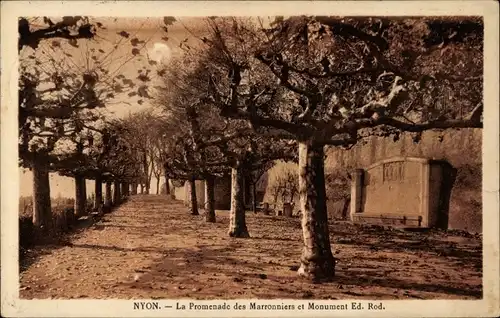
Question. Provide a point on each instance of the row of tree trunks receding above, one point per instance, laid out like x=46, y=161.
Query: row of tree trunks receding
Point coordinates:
x=237, y=226
x=144, y=189
x=42, y=212
x=120, y=190
x=317, y=261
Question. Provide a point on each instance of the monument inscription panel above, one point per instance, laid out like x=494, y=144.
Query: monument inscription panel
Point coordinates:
x=393, y=171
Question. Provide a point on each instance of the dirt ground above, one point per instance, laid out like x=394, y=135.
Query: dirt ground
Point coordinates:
x=151, y=247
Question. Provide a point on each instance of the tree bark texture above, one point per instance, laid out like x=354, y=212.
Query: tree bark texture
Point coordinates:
x=210, y=199
x=158, y=185
x=254, y=197
x=127, y=189
x=42, y=213
x=108, y=198
x=80, y=196
x=123, y=189
x=134, y=188
x=193, y=202
x=167, y=186
x=142, y=188
x=237, y=224
x=317, y=261
x=116, y=193
x=98, y=194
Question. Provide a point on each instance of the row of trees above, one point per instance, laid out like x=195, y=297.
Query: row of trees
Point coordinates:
x=252, y=91
x=311, y=82
x=69, y=74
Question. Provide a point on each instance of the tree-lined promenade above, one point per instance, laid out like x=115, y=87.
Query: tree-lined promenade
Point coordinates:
x=244, y=94
x=125, y=257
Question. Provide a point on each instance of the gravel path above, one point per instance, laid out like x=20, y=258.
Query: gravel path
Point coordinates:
x=151, y=247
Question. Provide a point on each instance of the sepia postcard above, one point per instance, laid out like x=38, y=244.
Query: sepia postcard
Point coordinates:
x=250, y=159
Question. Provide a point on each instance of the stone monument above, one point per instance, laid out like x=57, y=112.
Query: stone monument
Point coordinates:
x=400, y=191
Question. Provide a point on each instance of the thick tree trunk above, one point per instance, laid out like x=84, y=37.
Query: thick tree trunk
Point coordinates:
x=98, y=194
x=317, y=261
x=116, y=193
x=167, y=186
x=237, y=225
x=193, y=202
x=254, y=197
x=80, y=196
x=134, y=188
x=108, y=198
x=142, y=188
x=158, y=185
x=42, y=213
x=210, y=199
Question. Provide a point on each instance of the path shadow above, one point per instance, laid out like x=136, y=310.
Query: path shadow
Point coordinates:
x=358, y=278
x=207, y=261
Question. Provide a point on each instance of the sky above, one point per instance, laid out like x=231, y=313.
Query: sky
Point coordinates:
x=160, y=46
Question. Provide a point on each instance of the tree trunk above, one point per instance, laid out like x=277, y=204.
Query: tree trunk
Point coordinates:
x=107, y=200
x=98, y=194
x=127, y=189
x=210, y=199
x=80, y=196
x=42, y=213
x=167, y=186
x=142, y=188
x=317, y=261
x=254, y=197
x=193, y=202
x=134, y=188
x=237, y=225
x=158, y=185
x=123, y=189
x=116, y=193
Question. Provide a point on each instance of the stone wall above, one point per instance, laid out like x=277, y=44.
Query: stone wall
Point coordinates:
x=461, y=148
